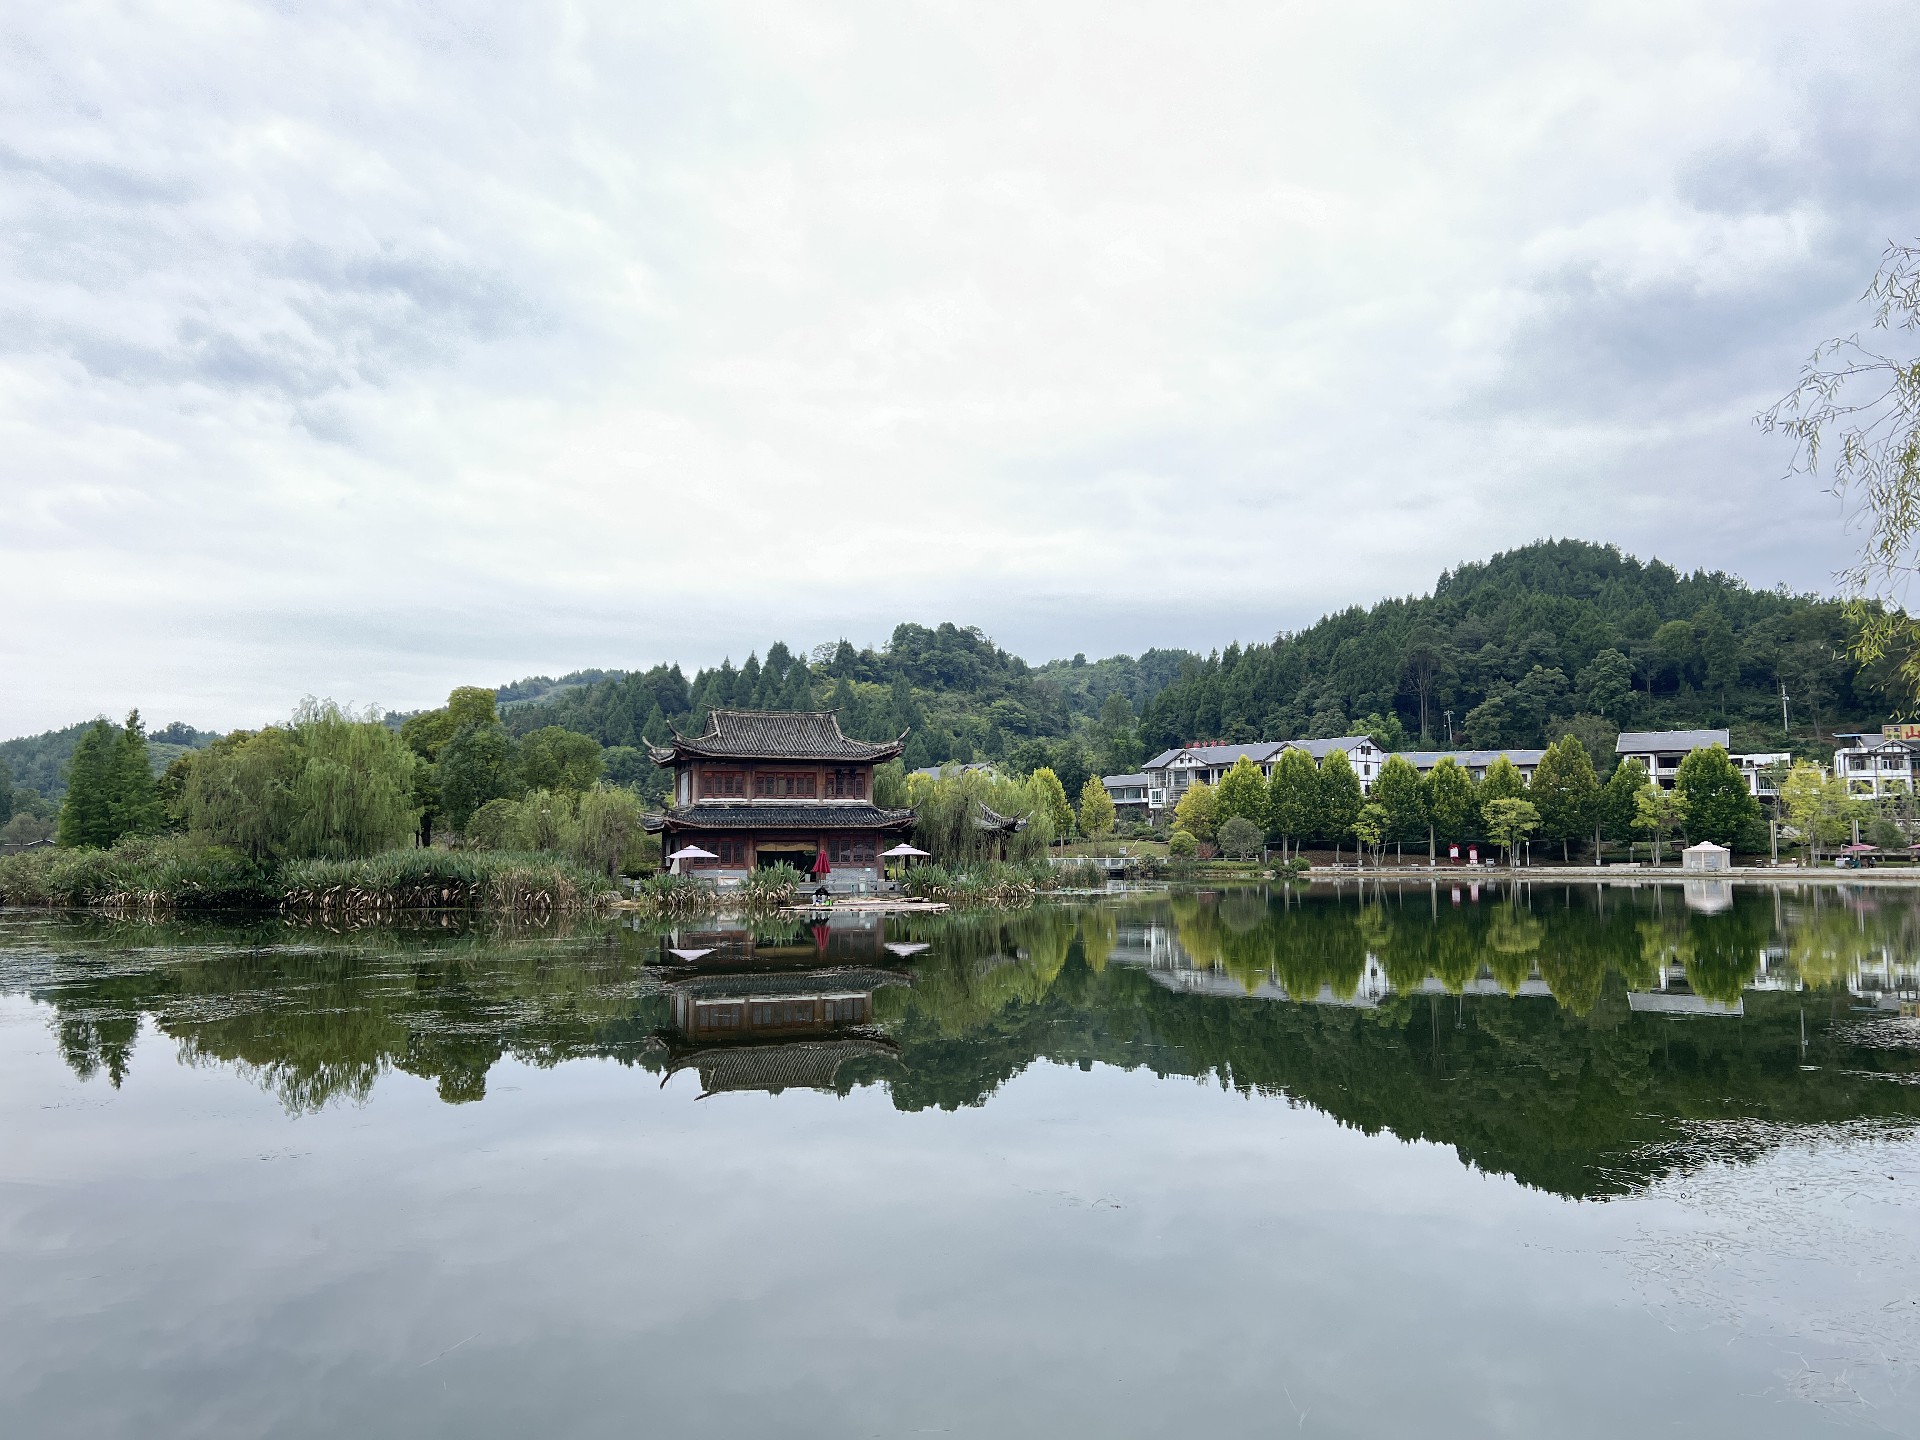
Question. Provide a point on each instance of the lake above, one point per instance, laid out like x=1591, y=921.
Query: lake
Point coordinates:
x=1426, y=1161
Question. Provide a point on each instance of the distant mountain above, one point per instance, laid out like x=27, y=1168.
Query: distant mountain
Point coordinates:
x=39, y=762
x=1557, y=635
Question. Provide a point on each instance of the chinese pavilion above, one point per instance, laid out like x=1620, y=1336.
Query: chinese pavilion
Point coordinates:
x=758, y=788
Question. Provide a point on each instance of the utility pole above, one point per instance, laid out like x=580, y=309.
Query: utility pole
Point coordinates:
x=1449, y=715
x=1783, y=709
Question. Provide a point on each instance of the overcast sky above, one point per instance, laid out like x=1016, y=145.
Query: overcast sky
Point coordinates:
x=366, y=350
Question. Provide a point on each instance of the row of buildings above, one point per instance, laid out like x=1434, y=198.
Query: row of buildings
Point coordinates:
x=755, y=789
x=1157, y=787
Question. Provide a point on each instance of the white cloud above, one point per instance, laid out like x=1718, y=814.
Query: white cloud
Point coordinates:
x=364, y=352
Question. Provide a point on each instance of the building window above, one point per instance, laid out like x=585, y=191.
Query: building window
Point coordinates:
x=785, y=787
x=724, y=782
x=845, y=850
x=847, y=785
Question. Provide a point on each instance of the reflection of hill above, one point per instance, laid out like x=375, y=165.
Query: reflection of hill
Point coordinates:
x=1503, y=1029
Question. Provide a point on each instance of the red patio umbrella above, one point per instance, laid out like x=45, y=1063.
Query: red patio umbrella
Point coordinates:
x=822, y=865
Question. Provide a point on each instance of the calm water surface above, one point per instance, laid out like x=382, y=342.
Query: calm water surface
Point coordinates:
x=1413, y=1162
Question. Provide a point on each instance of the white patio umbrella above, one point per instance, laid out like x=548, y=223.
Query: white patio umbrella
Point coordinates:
x=904, y=851
x=690, y=852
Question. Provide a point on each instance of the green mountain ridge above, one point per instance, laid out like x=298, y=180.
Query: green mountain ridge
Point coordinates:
x=1514, y=649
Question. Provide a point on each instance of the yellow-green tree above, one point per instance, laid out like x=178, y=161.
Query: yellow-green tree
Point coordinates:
x=1050, y=800
x=1242, y=792
x=1509, y=821
x=1096, y=809
x=1659, y=813
x=1818, y=806
x=1198, y=812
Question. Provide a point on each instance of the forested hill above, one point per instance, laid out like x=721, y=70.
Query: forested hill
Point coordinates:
x=956, y=692
x=1556, y=635
x=1520, y=645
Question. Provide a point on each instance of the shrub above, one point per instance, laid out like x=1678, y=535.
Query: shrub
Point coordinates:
x=1182, y=845
x=773, y=885
x=1241, y=838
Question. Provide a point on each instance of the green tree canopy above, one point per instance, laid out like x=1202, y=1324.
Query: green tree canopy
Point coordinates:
x=1565, y=791
x=1240, y=837
x=1718, y=801
x=1242, y=791
x=1096, y=809
x=1447, y=795
x=552, y=758
x=352, y=793
x=110, y=787
x=1050, y=801
x=475, y=766
x=1659, y=813
x=86, y=816
x=1620, y=800
x=1503, y=781
x=1198, y=812
x=1340, y=796
x=1398, y=793
x=1509, y=821
x=1293, y=795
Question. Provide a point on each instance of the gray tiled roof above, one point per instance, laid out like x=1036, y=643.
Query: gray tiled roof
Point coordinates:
x=1259, y=753
x=774, y=735
x=1646, y=742
x=1472, y=759
x=818, y=815
x=1121, y=782
x=792, y=1064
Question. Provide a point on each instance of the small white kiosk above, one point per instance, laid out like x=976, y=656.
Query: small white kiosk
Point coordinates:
x=1706, y=858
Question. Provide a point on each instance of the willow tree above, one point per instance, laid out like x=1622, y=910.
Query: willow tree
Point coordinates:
x=239, y=792
x=1854, y=419
x=352, y=794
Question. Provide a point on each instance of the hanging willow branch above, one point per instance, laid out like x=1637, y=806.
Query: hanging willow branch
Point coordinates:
x=1855, y=421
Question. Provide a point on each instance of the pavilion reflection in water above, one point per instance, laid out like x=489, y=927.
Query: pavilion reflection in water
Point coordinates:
x=753, y=1010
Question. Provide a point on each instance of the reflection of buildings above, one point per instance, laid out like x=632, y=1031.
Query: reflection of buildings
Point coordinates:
x=776, y=1010
x=1150, y=945
x=1672, y=994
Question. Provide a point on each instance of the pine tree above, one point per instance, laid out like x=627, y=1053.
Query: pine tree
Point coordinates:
x=86, y=816
x=135, y=807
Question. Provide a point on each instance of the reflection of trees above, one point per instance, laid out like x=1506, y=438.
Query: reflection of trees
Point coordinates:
x=324, y=1017
x=1562, y=1092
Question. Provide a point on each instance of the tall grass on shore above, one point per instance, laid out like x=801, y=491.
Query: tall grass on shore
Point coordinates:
x=179, y=873
x=501, y=881
x=989, y=883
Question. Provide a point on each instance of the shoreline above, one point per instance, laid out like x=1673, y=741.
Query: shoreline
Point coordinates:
x=1625, y=875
